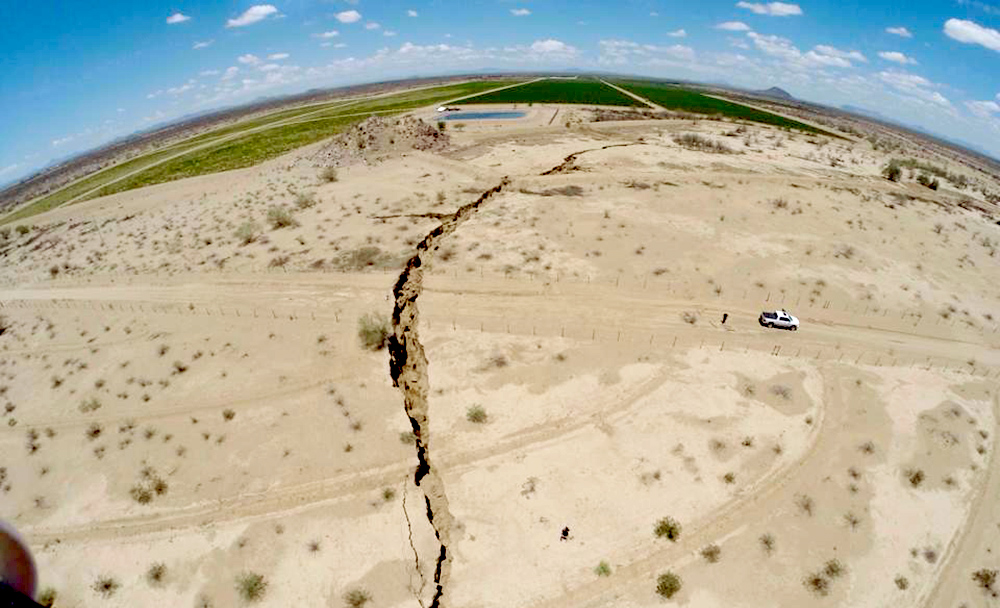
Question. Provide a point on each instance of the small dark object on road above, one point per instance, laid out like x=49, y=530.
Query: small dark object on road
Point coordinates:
x=725, y=316
x=565, y=534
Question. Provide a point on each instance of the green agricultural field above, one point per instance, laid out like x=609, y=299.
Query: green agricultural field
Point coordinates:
x=589, y=92
x=674, y=98
x=278, y=133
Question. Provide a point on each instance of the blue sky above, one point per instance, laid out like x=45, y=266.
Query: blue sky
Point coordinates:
x=74, y=75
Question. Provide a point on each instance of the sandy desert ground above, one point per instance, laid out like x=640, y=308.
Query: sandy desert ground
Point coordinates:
x=190, y=416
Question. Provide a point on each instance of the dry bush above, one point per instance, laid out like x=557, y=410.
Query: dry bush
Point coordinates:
x=668, y=528
x=779, y=390
x=689, y=317
x=356, y=598
x=667, y=585
x=985, y=579
x=363, y=258
x=156, y=574
x=693, y=141
x=251, y=586
x=106, y=586
x=329, y=175
x=476, y=414
x=373, y=331
x=248, y=232
x=711, y=553
x=279, y=217
x=767, y=542
x=305, y=201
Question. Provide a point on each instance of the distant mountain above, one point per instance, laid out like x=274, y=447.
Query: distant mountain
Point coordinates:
x=863, y=111
x=777, y=93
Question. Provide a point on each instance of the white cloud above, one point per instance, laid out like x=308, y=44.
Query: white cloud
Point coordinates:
x=915, y=87
x=677, y=33
x=820, y=56
x=278, y=56
x=654, y=14
x=348, y=16
x=269, y=67
x=520, y=12
x=330, y=34
x=897, y=57
x=830, y=51
x=154, y=94
x=177, y=17
x=733, y=26
x=411, y=13
x=774, y=9
x=388, y=33
x=205, y=73
x=551, y=46
x=62, y=141
x=179, y=90
x=619, y=52
x=899, y=31
x=248, y=59
x=971, y=32
x=325, y=44
x=230, y=73
x=983, y=109
x=255, y=13
x=203, y=44
x=8, y=169
x=371, y=25
x=340, y=45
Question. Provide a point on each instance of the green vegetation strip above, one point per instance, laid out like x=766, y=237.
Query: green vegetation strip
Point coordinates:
x=674, y=98
x=587, y=92
x=245, y=151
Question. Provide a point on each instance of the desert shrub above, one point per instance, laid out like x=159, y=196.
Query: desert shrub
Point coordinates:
x=711, y=553
x=251, y=586
x=5, y=233
x=667, y=585
x=782, y=391
x=90, y=405
x=106, y=586
x=563, y=191
x=141, y=494
x=602, y=569
x=279, y=217
x=914, y=476
x=156, y=573
x=228, y=414
x=22, y=229
x=305, y=201
x=476, y=414
x=356, y=598
x=767, y=542
x=692, y=141
x=833, y=569
x=373, y=331
x=902, y=583
x=817, y=583
x=248, y=232
x=985, y=579
x=689, y=317
x=47, y=597
x=362, y=258
x=329, y=175
x=279, y=261
x=925, y=180
x=668, y=528
x=442, y=126
x=893, y=172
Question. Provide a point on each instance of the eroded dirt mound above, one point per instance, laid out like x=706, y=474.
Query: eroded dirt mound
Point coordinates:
x=378, y=138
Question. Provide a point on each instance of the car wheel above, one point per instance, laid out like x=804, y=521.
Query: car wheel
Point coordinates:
x=770, y=325
x=794, y=327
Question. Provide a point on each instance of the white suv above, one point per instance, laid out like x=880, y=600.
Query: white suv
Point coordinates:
x=780, y=319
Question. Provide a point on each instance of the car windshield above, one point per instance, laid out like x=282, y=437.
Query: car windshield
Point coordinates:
x=769, y=315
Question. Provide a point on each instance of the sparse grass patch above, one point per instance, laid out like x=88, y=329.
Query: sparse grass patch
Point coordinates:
x=668, y=528
x=373, y=331
x=602, y=569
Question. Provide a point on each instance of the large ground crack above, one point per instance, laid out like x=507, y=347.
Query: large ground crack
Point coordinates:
x=408, y=367
x=569, y=163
